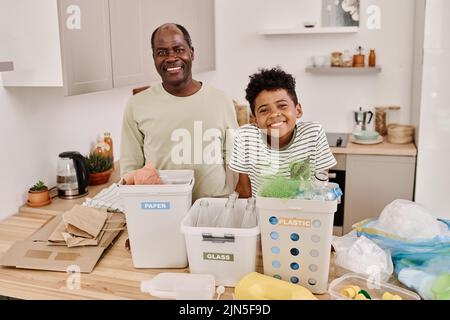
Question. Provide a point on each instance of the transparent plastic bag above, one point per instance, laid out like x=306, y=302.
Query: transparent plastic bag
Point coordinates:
x=361, y=255
x=410, y=220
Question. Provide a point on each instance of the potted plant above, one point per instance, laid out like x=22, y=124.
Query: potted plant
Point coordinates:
x=38, y=195
x=100, y=168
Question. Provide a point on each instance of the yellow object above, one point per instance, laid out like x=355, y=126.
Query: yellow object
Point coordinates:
x=360, y=296
x=390, y=296
x=350, y=291
x=256, y=286
x=387, y=296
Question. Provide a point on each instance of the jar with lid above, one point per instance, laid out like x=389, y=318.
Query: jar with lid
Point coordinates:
x=347, y=59
x=336, y=59
x=393, y=115
x=380, y=120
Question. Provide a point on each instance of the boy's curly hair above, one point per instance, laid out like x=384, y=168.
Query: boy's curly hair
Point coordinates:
x=271, y=80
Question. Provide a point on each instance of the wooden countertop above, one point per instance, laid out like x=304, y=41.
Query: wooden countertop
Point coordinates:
x=114, y=277
x=385, y=148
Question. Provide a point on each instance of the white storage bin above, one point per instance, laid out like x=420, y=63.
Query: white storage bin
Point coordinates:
x=226, y=253
x=153, y=214
x=296, y=240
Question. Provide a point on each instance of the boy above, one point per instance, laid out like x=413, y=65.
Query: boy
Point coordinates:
x=279, y=139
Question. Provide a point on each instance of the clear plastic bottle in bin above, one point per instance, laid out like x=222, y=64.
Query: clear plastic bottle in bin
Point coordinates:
x=203, y=219
x=249, y=219
x=318, y=188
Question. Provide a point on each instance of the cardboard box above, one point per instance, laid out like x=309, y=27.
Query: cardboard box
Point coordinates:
x=35, y=253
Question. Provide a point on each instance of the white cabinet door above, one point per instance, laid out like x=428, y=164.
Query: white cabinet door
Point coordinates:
x=372, y=182
x=86, y=45
x=132, y=24
x=29, y=37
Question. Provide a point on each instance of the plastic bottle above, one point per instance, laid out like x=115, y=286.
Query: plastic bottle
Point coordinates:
x=203, y=216
x=320, y=186
x=249, y=219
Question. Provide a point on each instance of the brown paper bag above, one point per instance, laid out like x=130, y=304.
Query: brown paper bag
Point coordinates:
x=84, y=222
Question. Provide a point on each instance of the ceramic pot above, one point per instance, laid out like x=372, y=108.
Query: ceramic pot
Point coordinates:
x=99, y=177
x=38, y=198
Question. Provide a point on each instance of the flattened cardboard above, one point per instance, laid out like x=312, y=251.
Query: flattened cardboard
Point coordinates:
x=35, y=253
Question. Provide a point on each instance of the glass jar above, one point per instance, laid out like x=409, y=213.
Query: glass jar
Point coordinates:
x=336, y=59
x=347, y=59
x=380, y=120
x=393, y=114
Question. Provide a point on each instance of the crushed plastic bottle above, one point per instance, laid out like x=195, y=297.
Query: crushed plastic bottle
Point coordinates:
x=318, y=188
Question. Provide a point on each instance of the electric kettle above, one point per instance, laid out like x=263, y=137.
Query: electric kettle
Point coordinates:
x=72, y=176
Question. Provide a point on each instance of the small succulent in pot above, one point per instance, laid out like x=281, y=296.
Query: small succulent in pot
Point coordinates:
x=39, y=186
x=38, y=195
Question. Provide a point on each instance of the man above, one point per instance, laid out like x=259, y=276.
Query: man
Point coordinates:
x=180, y=123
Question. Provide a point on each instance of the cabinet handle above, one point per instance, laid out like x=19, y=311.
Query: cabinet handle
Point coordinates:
x=331, y=175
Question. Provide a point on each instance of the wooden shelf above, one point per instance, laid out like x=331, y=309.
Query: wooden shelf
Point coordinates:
x=315, y=30
x=336, y=70
x=6, y=66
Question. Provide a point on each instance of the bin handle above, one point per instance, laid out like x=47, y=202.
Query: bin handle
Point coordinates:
x=295, y=208
x=226, y=238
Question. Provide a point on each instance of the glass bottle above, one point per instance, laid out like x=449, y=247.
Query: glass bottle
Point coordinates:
x=203, y=215
x=249, y=219
x=108, y=140
x=227, y=218
x=372, y=58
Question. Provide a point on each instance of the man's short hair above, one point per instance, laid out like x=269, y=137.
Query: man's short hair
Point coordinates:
x=270, y=80
x=187, y=36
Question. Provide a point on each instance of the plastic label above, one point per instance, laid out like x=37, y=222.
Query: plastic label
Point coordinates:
x=218, y=256
x=155, y=205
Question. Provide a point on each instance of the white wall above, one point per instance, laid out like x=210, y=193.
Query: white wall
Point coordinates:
x=328, y=99
x=39, y=123
x=433, y=176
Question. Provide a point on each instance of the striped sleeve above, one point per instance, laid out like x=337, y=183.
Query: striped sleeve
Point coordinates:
x=324, y=157
x=239, y=157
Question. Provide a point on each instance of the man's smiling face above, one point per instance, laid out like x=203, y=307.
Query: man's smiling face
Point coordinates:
x=172, y=56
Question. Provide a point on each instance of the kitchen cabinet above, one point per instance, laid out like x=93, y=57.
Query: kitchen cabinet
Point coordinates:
x=374, y=181
x=6, y=66
x=87, y=46
x=29, y=37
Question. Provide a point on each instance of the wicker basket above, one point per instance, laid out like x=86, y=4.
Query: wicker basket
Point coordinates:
x=400, y=134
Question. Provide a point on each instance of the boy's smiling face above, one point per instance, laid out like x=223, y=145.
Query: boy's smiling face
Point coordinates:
x=276, y=112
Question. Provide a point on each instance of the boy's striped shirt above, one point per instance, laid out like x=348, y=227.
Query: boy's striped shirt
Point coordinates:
x=251, y=154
